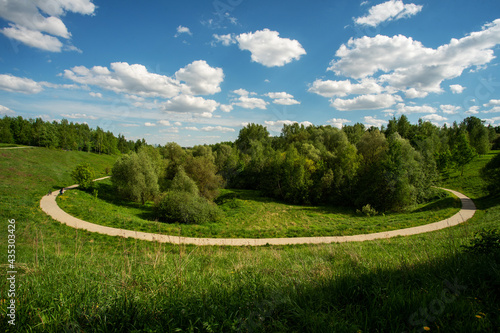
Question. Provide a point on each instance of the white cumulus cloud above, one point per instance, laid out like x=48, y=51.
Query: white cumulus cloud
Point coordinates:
x=282, y=98
x=329, y=88
x=217, y=129
x=338, y=122
x=182, y=30
x=191, y=104
x=456, y=88
x=388, y=11
x=406, y=63
x=434, y=117
x=366, y=102
x=6, y=111
x=38, y=23
x=449, y=109
x=201, y=79
x=225, y=40
x=370, y=121
x=17, y=84
x=269, y=49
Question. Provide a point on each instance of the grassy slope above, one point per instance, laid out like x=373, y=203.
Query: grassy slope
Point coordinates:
x=113, y=284
x=250, y=216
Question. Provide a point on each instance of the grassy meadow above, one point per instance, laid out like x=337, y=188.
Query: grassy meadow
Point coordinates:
x=74, y=281
x=248, y=215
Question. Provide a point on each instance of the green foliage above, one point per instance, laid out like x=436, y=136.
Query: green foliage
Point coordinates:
x=64, y=135
x=463, y=153
x=367, y=210
x=486, y=241
x=184, y=207
x=491, y=174
x=83, y=174
x=203, y=171
x=135, y=177
x=251, y=133
x=182, y=183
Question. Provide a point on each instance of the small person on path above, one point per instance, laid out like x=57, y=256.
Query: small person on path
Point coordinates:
x=61, y=191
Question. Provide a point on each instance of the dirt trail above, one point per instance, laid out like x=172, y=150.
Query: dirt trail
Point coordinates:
x=49, y=206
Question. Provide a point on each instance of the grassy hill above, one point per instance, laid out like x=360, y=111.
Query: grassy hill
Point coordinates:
x=75, y=281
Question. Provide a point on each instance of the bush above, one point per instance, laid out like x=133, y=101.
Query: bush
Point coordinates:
x=484, y=242
x=83, y=174
x=367, y=210
x=183, y=207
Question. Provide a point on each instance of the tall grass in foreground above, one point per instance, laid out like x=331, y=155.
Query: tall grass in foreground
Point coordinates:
x=75, y=281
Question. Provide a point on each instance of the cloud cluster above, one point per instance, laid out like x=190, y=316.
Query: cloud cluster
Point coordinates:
x=245, y=101
x=38, y=24
x=388, y=11
x=381, y=68
x=197, y=78
x=282, y=98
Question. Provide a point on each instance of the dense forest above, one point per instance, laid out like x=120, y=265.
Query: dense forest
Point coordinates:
x=384, y=169
x=64, y=135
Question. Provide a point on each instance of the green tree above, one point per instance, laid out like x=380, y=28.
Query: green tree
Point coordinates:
x=5, y=132
x=83, y=175
x=204, y=172
x=135, y=178
x=182, y=183
x=248, y=134
x=463, y=153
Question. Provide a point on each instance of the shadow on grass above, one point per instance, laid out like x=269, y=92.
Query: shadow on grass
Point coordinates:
x=456, y=293
x=107, y=193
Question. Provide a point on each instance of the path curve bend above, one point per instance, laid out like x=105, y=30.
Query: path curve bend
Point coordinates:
x=49, y=205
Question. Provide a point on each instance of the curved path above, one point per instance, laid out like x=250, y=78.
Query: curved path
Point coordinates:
x=49, y=206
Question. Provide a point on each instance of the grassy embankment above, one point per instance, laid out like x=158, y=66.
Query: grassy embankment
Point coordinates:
x=251, y=216
x=70, y=280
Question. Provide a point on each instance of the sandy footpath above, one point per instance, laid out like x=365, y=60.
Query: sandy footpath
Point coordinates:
x=50, y=207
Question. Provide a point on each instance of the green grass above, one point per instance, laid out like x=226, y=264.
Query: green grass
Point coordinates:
x=248, y=215
x=76, y=281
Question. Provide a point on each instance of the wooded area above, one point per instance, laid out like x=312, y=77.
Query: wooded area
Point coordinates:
x=386, y=169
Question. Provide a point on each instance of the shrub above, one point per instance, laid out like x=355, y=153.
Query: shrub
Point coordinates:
x=485, y=242
x=83, y=174
x=183, y=207
x=367, y=210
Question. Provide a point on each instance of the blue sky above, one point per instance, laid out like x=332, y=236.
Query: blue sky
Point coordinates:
x=195, y=72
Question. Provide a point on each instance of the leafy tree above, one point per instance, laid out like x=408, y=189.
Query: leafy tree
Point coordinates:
x=5, y=132
x=354, y=132
x=204, y=172
x=84, y=175
x=250, y=133
x=372, y=146
x=463, y=153
x=478, y=134
x=182, y=183
x=135, y=178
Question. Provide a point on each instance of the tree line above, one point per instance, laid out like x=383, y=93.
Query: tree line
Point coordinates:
x=64, y=135
x=387, y=169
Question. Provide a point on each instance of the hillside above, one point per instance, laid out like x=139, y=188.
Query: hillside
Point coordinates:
x=113, y=284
